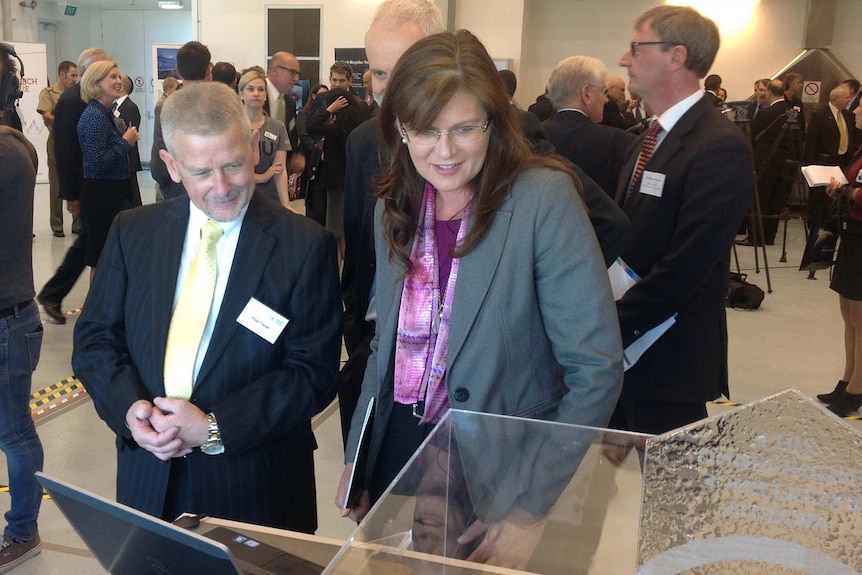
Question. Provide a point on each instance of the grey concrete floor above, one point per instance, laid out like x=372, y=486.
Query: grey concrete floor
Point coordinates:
x=793, y=341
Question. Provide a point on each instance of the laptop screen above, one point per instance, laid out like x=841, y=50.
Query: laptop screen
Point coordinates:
x=130, y=542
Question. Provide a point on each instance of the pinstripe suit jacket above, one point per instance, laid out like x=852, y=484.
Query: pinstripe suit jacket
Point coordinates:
x=263, y=395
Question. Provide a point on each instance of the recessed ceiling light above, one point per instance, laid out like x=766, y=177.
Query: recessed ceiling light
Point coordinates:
x=171, y=4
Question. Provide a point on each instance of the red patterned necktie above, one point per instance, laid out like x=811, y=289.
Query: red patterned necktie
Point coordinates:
x=646, y=153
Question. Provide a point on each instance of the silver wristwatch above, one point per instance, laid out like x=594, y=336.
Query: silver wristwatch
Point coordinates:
x=213, y=444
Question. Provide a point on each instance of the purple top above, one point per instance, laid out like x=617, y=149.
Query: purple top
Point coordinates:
x=447, y=233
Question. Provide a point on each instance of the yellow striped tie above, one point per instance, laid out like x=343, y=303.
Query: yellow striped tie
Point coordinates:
x=190, y=316
x=842, y=134
x=281, y=109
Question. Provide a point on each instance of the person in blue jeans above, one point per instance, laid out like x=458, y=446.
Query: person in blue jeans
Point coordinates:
x=20, y=345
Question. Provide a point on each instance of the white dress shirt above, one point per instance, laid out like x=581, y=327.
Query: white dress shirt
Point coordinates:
x=225, y=251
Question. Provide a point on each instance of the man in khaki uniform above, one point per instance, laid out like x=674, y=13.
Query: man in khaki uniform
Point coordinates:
x=67, y=75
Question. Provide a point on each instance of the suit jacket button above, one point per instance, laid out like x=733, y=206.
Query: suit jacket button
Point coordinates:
x=637, y=333
x=461, y=394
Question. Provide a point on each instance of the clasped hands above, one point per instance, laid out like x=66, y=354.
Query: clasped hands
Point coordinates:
x=167, y=427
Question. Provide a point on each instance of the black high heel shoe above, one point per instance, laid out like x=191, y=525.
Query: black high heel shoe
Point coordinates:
x=834, y=394
x=846, y=404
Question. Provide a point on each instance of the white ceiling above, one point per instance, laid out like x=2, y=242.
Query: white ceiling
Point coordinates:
x=118, y=4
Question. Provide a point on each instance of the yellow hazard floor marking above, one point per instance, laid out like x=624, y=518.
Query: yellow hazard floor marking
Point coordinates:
x=69, y=386
x=54, y=396
x=5, y=489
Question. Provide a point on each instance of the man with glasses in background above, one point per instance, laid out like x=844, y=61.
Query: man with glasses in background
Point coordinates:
x=685, y=187
x=281, y=76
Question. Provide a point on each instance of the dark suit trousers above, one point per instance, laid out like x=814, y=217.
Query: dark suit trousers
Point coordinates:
x=773, y=191
x=59, y=286
x=654, y=416
x=350, y=384
x=315, y=201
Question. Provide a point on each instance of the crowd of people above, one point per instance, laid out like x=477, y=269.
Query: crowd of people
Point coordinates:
x=463, y=249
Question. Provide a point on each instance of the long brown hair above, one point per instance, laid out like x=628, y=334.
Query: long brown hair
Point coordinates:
x=425, y=79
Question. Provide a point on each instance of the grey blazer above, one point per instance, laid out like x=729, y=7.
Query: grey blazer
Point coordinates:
x=534, y=330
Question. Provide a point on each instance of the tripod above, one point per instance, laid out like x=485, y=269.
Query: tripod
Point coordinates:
x=778, y=153
x=789, y=140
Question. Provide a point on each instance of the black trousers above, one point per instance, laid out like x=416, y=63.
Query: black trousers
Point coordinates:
x=655, y=416
x=64, y=279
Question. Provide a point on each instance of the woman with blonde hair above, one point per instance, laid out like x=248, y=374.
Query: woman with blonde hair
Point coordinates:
x=271, y=171
x=105, y=142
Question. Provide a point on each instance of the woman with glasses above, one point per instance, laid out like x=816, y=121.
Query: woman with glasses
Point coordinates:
x=491, y=292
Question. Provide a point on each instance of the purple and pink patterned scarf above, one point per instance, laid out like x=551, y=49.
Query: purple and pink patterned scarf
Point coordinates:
x=422, y=340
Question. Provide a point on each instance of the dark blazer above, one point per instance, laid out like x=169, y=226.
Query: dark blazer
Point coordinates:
x=716, y=101
x=130, y=114
x=612, y=116
x=263, y=395
x=67, y=148
x=335, y=128
x=822, y=138
x=289, y=122
x=357, y=275
x=542, y=108
x=765, y=130
x=796, y=103
x=158, y=170
x=608, y=220
x=599, y=150
x=680, y=246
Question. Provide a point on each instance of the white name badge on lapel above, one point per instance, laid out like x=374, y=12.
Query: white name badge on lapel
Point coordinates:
x=270, y=135
x=652, y=183
x=262, y=320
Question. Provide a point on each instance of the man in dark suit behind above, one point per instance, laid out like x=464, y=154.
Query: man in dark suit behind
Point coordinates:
x=131, y=116
x=770, y=162
x=852, y=85
x=792, y=89
x=711, y=85
x=70, y=173
x=830, y=140
x=267, y=359
x=576, y=90
x=761, y=99
x=685, y=205
x=612, y=114
x=396, y=25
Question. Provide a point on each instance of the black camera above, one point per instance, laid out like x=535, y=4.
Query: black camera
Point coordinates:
x=10, y=85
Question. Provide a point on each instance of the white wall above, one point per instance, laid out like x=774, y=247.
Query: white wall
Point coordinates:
x=500, y=29
x=128, y=37
x=603, y=29
x=536, y=34
x=847, y=43
x=236, y=31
